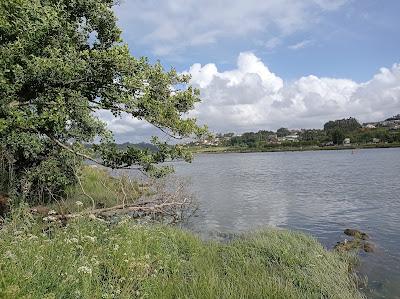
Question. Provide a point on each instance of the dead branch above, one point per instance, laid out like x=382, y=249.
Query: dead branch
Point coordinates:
x=124, y=209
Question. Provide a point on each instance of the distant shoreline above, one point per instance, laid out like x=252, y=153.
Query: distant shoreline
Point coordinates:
x=225, y=150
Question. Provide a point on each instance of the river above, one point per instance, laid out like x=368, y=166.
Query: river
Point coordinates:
x=320, y=193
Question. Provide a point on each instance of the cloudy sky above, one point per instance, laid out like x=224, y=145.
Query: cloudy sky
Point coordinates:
x=264, y=64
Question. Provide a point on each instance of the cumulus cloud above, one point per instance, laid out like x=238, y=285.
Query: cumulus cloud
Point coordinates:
x=252, y=97
x=174, y=25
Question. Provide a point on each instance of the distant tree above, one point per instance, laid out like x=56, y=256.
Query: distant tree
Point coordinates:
x=313, y=135
x=282, y=132
x=346, y=125
x=61, y=63
x=337, y=136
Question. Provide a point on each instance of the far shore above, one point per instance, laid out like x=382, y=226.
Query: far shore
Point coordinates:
x=222, y=150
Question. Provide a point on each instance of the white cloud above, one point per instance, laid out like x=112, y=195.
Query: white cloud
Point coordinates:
x=174, y=25
x=301, y=45
x=251, y=97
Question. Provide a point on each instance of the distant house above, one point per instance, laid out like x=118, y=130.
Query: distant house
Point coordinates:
x=272, y=139
x=292, y=138
x=346, y=141
x=376, y=140
x=370, y=126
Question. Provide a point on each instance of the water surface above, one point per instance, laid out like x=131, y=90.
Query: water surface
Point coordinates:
x=321, y=193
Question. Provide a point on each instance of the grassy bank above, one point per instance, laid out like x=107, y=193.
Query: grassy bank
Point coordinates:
x=90, y=259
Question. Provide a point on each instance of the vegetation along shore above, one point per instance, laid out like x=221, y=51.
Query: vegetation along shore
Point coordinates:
x=335, y=135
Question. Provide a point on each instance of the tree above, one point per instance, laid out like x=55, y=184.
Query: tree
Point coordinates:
x=282, y=132
x=337, y=136
x=347, y=125
x=63, y=62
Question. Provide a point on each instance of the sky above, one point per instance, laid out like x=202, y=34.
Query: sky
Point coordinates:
x=265, y=64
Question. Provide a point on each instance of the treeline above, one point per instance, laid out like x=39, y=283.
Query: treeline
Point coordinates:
x=333, y=133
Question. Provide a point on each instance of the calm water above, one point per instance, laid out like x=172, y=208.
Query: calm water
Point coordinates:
x=321, y=193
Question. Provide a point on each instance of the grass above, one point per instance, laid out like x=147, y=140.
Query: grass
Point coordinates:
x=91, y=259
x=97, y=187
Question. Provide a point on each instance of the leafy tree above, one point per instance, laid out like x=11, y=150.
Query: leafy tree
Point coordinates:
x=282, y=132
x=61, y=63
x=337, y=136
x=346, y=125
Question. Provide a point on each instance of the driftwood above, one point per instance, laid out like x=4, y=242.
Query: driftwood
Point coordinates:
x=147, y=207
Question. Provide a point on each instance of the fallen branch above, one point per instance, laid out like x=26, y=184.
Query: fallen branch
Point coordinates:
x=120, y=209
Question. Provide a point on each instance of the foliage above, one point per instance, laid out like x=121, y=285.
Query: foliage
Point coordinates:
x=337, y=136
x=346, y=125
x=282, y=132
x=62, y=63
x=249, y=139
x=90, y=259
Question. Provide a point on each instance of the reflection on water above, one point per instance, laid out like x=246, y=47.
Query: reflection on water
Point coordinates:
x=321, y=193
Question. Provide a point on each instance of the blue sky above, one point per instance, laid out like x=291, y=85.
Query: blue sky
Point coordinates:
x=262, y=64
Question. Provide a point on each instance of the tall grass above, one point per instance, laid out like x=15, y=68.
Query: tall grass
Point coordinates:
x=96, y=188
x=91, y=259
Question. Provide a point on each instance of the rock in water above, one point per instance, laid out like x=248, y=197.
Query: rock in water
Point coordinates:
x=369, y=247
x=356, y=234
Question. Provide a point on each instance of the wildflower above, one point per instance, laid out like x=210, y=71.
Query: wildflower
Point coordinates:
x=79, y=203
x=9, y=255
x=52, y=218
x=85, y=270
x=116, y=247
x=32, y=237
x=90, y=238
x=51, y=212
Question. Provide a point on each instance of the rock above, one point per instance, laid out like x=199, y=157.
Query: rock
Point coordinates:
x=356, y=234
x=347, y=246
x=369, y=247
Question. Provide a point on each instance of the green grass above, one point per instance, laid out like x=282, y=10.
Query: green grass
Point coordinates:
x=98, y=187
x=90, y=259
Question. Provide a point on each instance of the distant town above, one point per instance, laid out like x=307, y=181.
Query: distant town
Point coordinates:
x=342, y=132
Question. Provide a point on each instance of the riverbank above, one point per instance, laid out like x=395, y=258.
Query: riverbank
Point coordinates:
x=90, y=257
x=230, y=149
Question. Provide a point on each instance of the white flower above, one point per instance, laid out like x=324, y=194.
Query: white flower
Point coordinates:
x=32, y=237
x=84, y=269
x=52, y=212
x=116, y=247
x=50, y=219
x=79, y=203
x=9, y=255
x=90, y=238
